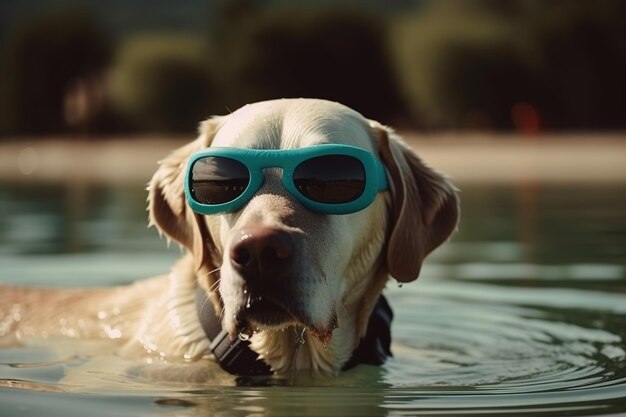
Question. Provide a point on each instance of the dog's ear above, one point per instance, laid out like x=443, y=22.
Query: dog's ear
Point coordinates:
x=168, y=209
x=424, y=206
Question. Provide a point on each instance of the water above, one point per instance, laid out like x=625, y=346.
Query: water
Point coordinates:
x=523, y=313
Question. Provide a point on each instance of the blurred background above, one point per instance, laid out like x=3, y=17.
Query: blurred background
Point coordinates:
x=521, y=102
x=85, y=68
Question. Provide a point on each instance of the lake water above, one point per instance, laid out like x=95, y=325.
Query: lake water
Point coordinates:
x=522, y=313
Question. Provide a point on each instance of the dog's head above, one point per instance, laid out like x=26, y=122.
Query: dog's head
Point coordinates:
x=274, y=263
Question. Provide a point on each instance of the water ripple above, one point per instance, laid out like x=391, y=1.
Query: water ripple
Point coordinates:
x=460, y=349
x=519, y=350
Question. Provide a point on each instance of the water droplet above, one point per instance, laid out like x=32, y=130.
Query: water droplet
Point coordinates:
x=300, y=335
x=299, y=331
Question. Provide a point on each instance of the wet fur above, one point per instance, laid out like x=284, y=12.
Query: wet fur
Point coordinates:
x=345, y=265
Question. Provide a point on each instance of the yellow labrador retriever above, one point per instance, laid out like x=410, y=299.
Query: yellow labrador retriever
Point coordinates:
x=295, y=267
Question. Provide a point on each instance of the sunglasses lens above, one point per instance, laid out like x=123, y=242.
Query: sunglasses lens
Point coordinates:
x=218, y=180
x=331, y=179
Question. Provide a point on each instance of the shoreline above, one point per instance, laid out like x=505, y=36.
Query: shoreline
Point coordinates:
x=465, y=158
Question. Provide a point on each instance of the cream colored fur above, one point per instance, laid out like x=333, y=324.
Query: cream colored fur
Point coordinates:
x=343, y=266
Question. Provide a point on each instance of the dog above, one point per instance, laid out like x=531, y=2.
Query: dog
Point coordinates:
x=299, y=285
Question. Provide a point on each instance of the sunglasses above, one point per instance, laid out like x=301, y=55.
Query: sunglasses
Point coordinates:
x=329, y=178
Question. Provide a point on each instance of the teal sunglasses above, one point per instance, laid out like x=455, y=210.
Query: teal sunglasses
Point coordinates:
x=329, y=178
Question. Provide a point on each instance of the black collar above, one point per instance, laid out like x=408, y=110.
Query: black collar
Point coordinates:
x=236, y=357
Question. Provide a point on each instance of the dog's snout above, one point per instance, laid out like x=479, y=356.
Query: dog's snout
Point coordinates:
x=262, y=252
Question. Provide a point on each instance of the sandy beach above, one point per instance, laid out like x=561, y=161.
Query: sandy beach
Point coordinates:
x=581, y=158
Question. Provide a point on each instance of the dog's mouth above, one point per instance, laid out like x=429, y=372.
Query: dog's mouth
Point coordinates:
x=264, y=312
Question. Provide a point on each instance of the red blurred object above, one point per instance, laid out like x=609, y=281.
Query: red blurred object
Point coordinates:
x=526, y=118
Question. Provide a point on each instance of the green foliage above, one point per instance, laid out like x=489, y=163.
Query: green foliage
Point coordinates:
x=162, y=82
x=40, y=60
x=297, y=52
x=449, y=64
x=446, y=64
x=467, y=63
x=581, y=50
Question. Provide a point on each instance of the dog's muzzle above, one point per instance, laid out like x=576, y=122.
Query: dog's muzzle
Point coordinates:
x=265, y=258
x=235, y=356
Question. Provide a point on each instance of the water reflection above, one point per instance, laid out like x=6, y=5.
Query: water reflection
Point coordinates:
x=528, y=224
x=78, y=234
x=522, y=313
x=72, y=218
x=545, y=224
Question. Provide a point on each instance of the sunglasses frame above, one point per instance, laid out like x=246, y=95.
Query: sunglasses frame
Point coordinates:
x=255, y=160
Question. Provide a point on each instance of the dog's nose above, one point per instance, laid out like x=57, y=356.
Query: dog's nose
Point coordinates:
x=262, y=252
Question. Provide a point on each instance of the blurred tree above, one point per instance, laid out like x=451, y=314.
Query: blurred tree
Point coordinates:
x=580, y=47
x=459, y=69
x=522, y=64
x=486, y=64
x=305, y=52
x=42, y=58
x=163, y=82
